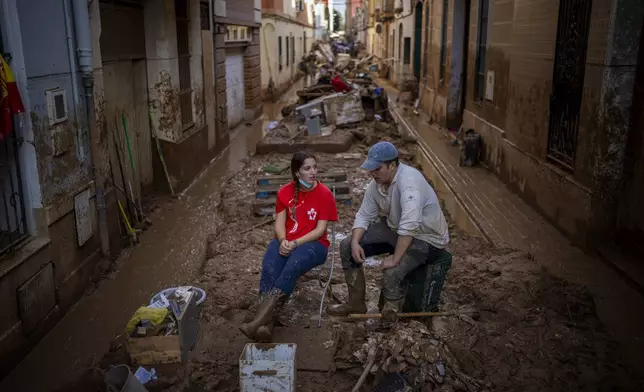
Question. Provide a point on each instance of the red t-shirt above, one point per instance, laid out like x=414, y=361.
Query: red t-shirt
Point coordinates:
x=317, y=204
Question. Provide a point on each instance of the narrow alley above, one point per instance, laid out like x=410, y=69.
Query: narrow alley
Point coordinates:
x=485, y=158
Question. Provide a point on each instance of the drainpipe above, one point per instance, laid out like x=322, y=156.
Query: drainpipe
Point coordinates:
x=84, y=54
x=73, y=68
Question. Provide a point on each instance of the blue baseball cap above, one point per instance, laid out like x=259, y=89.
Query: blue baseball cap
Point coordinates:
x=379, y=153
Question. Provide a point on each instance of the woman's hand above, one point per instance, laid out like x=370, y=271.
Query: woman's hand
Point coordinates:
x=286, y=247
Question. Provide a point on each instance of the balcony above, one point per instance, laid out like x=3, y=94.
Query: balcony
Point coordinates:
x=386, y=13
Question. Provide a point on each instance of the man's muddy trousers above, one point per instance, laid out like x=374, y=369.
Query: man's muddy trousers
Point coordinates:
x=380, y=239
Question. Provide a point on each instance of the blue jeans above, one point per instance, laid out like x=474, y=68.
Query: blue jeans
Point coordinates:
x=282, y=272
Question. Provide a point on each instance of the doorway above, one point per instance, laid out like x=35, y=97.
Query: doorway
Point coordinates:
x=418, y=38
x=458, y=67
x=631, y=215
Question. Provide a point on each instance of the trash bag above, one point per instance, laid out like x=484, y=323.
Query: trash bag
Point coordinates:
x=471, y=148
x=154, y=315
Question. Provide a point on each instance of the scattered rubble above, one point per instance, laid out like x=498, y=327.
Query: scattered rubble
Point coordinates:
x=535, y=332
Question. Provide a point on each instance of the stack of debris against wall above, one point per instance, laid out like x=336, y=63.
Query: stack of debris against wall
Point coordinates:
x=325, y=113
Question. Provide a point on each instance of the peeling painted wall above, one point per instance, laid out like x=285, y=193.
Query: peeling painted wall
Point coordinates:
x=60, y=168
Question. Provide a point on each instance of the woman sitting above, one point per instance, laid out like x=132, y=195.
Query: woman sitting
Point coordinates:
x=303, y=207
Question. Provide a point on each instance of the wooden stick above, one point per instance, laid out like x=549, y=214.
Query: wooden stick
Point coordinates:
x=296, y=135
x=153, y=130
x=365, y=373
x=415, y=314
x=260, y=224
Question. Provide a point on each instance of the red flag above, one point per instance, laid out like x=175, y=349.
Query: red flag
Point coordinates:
x=10, y=102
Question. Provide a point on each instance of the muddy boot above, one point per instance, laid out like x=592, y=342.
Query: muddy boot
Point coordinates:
x=264, y=333
x=356, y=287
x=264, y=315
x=391, y=309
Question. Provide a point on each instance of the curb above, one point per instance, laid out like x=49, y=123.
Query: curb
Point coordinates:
x=458, y=210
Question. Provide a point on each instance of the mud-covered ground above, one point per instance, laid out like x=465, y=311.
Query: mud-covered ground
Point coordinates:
x=532, y=331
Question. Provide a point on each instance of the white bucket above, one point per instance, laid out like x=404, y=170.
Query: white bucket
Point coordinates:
x=267, y=367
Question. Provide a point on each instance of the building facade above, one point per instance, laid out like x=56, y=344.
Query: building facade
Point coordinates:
x=287, y=33
x=59, y=219
x=552, y=90
x=107, y=84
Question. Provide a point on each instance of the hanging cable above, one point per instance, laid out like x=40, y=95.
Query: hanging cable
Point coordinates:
x=328, y=282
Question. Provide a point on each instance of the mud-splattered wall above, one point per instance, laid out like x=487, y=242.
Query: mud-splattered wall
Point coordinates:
x=63, y=149
x=46, y=275
x=514, y=121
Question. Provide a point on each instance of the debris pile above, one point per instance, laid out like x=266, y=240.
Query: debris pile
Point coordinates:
x=412, y=349
x=344, y=96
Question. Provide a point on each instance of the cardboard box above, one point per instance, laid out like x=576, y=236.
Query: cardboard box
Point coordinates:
x=152, y=350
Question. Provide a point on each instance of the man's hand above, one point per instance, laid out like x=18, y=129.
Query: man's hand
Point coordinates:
x=388, y=262
x=357, y=253
x=285, y=248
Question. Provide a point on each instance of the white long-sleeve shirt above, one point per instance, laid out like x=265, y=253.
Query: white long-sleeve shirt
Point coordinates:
x=410, y=204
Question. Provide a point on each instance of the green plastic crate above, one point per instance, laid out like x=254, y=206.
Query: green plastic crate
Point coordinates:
x=425, y=284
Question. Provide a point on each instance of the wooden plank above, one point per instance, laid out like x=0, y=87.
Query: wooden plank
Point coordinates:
x=328, y=177
x=154, y=350
x=269, y=190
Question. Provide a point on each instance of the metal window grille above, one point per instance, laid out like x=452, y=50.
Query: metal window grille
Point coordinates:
x=288, y=53
x=13, y=222
x=183, y=48
x=292, y=50
x=400, y=42
x=444, y=41
x=568, y=81
x=481, y=53
x=279, y=52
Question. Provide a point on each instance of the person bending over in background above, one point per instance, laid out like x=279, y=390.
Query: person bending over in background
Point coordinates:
x=303, y=208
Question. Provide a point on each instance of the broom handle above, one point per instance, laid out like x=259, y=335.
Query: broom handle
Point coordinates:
x=414, y=314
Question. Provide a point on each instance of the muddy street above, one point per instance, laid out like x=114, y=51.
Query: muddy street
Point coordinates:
x=532, y=331
x=306, y=195
x=170, y=254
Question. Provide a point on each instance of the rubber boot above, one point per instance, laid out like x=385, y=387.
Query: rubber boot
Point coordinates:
x=356, y=302
x=264, y=315
x=391, y=309
x=264, y=333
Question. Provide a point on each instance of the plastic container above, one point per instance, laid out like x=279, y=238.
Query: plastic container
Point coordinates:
x=120, y=379
x=169, y=291
x=425, y=284
x=267, y=367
